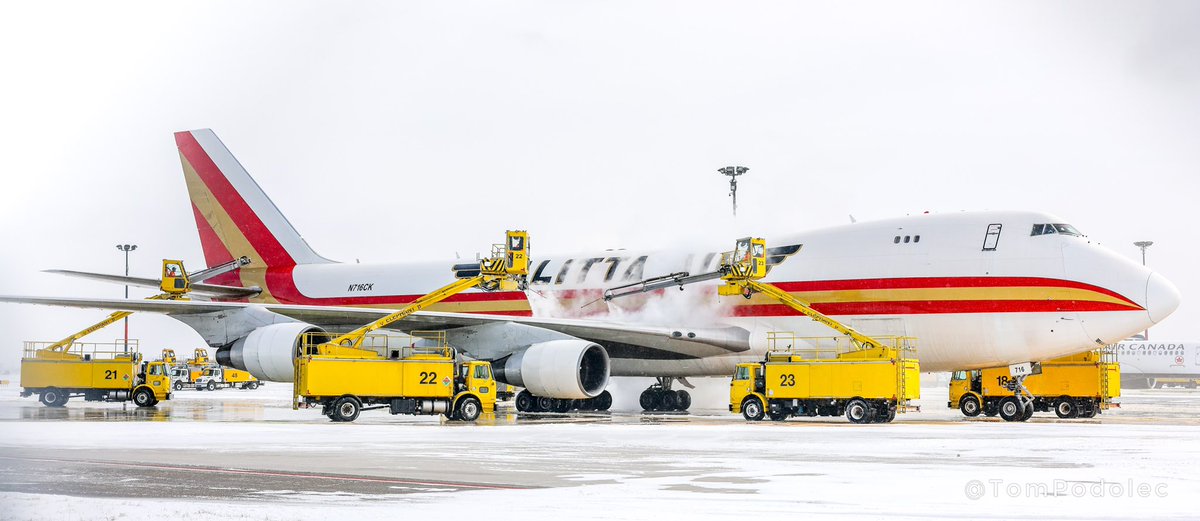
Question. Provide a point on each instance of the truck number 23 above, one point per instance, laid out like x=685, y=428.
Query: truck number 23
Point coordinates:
x=787, y=380
x=428, y=378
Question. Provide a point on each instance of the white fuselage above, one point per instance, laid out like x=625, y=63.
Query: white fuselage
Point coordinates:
x=973, y=294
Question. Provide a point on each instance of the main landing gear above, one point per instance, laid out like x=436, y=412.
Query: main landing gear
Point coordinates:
x=528, y=402
x=660, y=396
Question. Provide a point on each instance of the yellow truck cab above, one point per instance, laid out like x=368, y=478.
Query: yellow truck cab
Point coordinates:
x=1075, y=386
x=96, y=372
x=425, y=379
x=215, y=376
x=867, y=385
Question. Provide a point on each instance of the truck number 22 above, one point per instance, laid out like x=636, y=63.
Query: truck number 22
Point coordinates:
x=428, y=378
x=787, y=380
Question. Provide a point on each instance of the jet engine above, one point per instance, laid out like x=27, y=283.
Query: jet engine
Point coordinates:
x=568, y=368
x=268, y=352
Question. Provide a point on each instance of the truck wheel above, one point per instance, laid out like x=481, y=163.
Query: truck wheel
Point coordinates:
x=345, y=409
x=143, y=397
x=1065, y=408
x=648, y=400
x=752, y=409
x=683, y=399
x=524, y=401
x=778, y=416
x=469, y=409
x=858, y=411
x=178, y=386
x=990, y=408
x=969, y=405
x=1087, y=410
x=252, y=385
x=891, y=415
x=212, y=386
x=604, y=401
x=52, y=397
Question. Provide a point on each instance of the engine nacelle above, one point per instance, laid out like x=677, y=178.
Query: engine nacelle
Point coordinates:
x=269, y=352
x=575, y=369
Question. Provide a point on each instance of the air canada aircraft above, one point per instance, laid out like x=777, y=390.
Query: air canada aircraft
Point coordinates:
x=977, y=290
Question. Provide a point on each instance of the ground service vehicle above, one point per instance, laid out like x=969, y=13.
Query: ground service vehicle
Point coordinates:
x=868, y=385
x=97, y=372
x=216, y=376
x=1076, y=386
x=425, y=379
x=355, y=369
x=198, y=363
x=804, y=367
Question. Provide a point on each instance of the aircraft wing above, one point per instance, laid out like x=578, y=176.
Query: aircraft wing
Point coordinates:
x=199, y=288
x=679, y=341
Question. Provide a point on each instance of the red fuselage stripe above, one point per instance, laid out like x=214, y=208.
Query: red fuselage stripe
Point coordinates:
x=935, y=306
x=282, y=286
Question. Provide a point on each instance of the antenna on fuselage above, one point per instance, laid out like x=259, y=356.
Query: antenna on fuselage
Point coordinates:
x=733, y=172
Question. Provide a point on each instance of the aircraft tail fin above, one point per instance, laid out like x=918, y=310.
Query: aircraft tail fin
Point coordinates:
x=234, y=216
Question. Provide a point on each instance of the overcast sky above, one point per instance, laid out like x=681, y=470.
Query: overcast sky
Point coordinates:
x=394, y=131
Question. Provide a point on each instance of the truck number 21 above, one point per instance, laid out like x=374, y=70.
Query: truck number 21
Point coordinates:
x=787, y=380
x=428, y=378
x=109, y=374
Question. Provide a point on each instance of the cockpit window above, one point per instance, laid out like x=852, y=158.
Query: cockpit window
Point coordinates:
x=1059, y=228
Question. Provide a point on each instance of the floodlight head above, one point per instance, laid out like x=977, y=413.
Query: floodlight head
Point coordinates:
x=1143, y=244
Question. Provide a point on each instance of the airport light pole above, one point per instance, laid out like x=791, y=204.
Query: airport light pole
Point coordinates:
x=733, y=172
x=126, y=248
x=1143, y=245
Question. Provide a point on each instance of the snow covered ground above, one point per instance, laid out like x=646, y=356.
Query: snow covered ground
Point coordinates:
x=1142, y=461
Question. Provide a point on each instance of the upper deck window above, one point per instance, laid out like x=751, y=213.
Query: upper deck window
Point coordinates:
x=1055, y=228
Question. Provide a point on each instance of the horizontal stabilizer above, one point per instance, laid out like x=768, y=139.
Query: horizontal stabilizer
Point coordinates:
x=207, y=290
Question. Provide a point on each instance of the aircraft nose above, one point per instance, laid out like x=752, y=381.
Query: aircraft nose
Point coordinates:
x=1162, y=297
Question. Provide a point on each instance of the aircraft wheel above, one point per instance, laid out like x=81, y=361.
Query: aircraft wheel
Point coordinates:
x=1010, y=409
x=469, y=409
x=667, y=401
x=684, y=399
x=524, y=401
x=604, y=401
x=859, y=411
x=969, y=405
x=544, y=404
x=143, y=397
x=1028, y=412
x=752, y=408
x=648, y=400
x=563, y=405
x=1065, y=408
x=345, y=409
